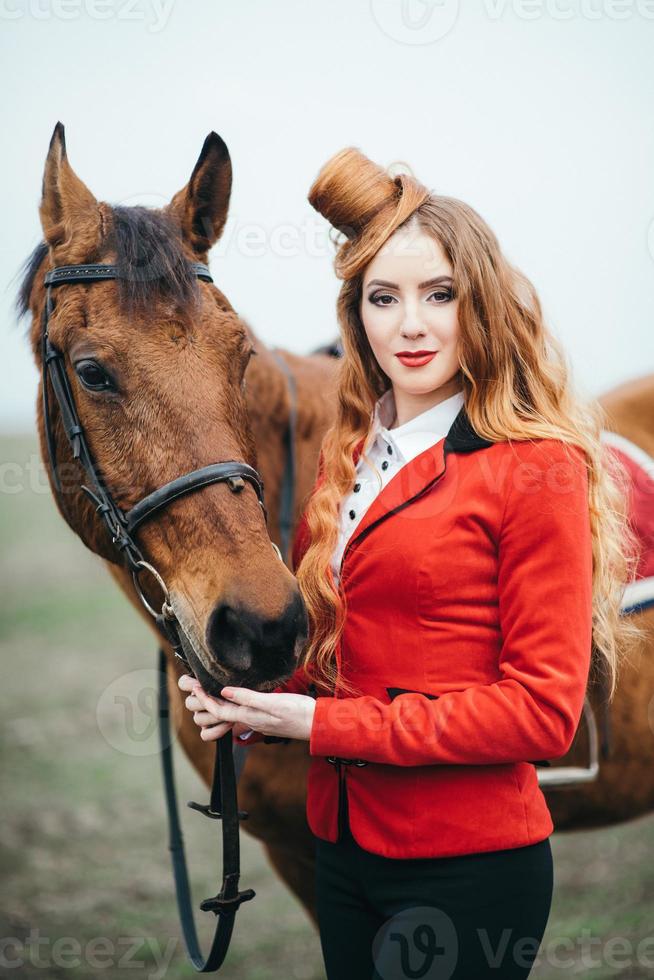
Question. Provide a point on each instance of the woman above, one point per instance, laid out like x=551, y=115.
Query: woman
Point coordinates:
x=462, y=552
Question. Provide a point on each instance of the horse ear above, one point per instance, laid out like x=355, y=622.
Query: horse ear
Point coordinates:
x=200, y=209
x=70, y=215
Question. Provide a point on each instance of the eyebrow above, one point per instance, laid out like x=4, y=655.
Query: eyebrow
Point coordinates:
x=421, y=285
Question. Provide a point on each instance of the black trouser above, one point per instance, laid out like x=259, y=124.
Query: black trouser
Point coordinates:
x=468, y=917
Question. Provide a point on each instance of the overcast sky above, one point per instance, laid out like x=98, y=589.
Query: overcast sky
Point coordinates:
x=538, y=114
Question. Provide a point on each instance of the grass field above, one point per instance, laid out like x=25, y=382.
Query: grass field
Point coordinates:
x=87, y=885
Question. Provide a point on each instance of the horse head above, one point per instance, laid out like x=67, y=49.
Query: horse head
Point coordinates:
x=155, y=360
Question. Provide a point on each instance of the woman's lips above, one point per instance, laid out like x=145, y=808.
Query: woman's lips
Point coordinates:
x=416, y=360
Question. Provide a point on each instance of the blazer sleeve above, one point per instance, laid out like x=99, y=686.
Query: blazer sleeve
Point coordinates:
x=544, y=581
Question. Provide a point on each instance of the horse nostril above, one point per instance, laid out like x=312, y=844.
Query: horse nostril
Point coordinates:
x=231, y=638
x=242, y=640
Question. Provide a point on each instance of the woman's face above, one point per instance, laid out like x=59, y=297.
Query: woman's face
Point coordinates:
x=407, y=306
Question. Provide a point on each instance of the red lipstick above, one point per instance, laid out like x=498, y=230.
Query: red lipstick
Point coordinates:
x=416, y=358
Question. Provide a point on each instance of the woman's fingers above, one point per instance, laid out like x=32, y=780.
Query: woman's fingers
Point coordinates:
x=193, y=703
x=186, y=682
x=203, y=718
x=217, y=731
x=215, y=715
x=221, y=710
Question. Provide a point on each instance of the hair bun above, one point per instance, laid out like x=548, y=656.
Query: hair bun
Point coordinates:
x=350, y=190
x=364, y=202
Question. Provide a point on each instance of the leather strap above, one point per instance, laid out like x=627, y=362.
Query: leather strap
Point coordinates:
x=287, y=493
x=222, y=807
x=214, y=473
x=100, y=272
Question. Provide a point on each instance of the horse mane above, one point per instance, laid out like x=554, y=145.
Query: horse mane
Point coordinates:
x=150, y=257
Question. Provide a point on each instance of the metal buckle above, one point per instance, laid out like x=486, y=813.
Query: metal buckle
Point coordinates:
x=166, y=608
x=335, y=760
x=205, y=808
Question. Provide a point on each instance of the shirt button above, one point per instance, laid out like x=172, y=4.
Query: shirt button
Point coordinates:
x=357, y=487
x=390, y=450
x=353, y=514
x=385, y=464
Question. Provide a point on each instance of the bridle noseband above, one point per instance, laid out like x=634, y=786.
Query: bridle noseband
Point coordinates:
x=120, y=524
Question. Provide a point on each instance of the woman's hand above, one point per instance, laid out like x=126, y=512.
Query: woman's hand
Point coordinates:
x=239, y=709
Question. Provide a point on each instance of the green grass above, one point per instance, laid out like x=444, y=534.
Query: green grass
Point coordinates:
x=83, y=845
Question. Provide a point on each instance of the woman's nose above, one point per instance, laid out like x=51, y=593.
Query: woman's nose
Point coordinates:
x=412, y=325
x=412, y=328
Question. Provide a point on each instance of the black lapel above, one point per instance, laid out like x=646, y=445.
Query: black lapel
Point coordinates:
x=461, y=437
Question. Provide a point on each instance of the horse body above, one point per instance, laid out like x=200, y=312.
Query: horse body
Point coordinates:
x=187, y=393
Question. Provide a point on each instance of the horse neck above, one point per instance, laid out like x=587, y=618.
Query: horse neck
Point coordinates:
x=267, y=396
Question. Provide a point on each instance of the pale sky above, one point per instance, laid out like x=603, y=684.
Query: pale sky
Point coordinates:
x=538, y=114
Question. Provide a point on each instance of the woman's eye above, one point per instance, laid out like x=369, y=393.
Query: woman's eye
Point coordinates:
x=385, y=299
x=93, y=376
x=378, y=297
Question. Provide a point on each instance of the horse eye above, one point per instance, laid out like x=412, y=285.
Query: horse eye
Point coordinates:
x=93, y=376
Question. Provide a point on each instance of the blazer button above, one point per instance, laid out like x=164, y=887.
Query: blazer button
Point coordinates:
x=385, y=464
x=357, y=487
x=353, y=514
x=390, y=450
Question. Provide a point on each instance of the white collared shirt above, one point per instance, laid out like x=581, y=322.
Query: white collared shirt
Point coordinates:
x=388, y=451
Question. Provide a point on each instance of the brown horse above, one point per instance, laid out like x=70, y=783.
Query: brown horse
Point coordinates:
x=163, y=379
x=179, y=404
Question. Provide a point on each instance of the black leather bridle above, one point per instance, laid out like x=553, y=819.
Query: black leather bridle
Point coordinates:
x=122, y=526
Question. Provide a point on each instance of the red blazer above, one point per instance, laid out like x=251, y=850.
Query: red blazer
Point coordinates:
x=468, y=584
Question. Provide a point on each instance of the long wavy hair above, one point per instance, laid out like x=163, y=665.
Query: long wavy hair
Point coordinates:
x=515, y=381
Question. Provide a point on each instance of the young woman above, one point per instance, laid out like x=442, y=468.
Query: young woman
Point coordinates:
x=462, y=552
